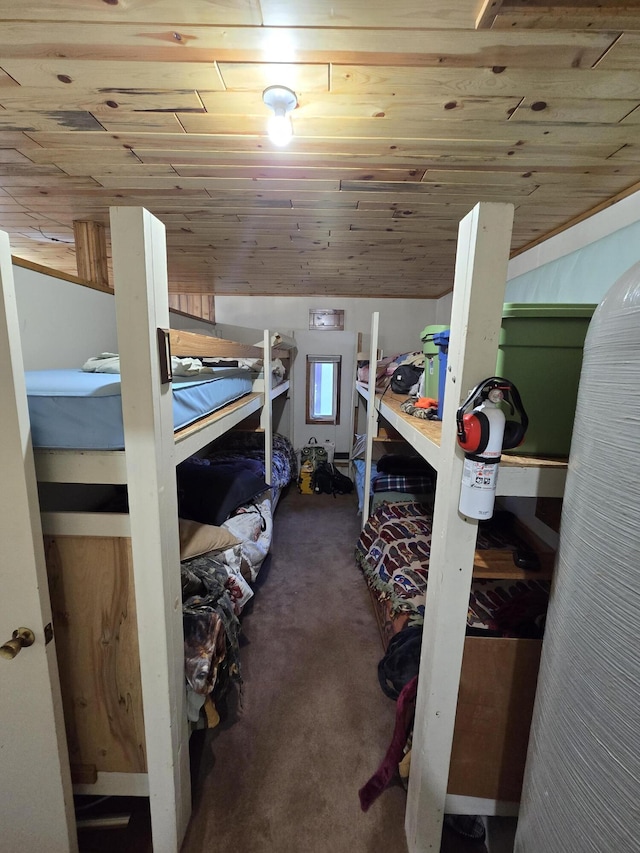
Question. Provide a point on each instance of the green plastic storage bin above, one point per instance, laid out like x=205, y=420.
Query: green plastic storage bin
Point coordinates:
x=540, y=351
x=431, y=361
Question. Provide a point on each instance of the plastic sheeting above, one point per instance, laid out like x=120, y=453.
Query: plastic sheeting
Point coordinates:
x=582, y=781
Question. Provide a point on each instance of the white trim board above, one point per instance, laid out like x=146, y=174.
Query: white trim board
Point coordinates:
x=115, y=785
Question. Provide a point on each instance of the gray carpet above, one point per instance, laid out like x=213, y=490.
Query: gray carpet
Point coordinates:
x=282, y=774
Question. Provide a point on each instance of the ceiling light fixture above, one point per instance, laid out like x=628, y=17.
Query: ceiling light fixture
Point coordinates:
x=282, y=101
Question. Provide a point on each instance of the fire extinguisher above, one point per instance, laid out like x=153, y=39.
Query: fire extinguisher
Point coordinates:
x=484, y=432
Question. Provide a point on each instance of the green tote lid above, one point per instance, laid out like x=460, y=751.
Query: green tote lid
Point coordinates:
x=547, y=310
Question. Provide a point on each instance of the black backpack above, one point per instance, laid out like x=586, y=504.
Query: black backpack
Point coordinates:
x=401, y=661
x=404, y=378
x=340, y=483
x=329, y=481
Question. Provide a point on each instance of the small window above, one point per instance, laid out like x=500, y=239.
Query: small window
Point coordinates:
x=323, y=389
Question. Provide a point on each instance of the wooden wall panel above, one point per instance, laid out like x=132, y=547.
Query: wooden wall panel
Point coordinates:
x=94, y=616
x=495, y=706
x=196, y=304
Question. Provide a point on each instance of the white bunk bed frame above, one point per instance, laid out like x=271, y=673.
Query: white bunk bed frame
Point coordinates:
x=480, y=275
x=147, y=466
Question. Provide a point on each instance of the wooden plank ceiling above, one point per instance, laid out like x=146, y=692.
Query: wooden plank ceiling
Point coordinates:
x=409, y=113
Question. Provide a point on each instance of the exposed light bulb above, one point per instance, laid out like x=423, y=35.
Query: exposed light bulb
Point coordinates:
x=282, y=101
x=280, y=130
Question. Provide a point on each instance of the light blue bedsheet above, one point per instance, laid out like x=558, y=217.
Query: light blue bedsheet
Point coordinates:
x=72, y=409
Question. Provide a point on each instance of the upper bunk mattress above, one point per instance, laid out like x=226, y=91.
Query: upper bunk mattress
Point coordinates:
x=72, y=409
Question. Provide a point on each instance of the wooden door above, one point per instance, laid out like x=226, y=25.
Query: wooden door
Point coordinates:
x=36, y=803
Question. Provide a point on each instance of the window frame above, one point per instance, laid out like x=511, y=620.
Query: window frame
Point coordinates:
x=332, y=420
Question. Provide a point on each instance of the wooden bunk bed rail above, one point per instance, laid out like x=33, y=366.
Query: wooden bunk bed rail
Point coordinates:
x=204, y=346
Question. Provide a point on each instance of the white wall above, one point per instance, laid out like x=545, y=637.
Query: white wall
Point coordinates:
x=62, y=324
x=401, y=320
x=579, y=265
x=190, y=324
x=324, y=343
x=443, y=309
x=608, y=221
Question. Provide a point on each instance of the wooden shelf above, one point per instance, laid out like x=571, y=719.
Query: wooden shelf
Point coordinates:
x=525, y=476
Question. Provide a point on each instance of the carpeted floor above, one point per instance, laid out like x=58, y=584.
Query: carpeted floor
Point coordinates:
x=283, y=775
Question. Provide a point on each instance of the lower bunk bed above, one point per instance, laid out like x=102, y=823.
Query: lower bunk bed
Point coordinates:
x=505, y=624
x=226, y=527
x=225, y=531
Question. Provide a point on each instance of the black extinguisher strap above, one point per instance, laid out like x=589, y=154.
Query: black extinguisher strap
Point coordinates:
x=476, y=457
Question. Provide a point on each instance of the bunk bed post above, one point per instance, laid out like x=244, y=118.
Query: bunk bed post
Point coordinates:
x=480, y=275
x=141, y=293
x=266, y=415
x=372, y=415
x=36, y=801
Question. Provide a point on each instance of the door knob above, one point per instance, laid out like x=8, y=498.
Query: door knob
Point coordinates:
x=22, y=637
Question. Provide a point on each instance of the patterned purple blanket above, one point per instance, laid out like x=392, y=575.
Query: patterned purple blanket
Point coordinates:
x=393, y=552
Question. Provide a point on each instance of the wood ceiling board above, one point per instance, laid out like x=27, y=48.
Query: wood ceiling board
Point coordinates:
x=96, y=74
x=272, y=159
x=13, y=214
x=332, y=105
x=629, y=152
x=350, y=235
x=429, y=108
x=42, y=184
x=7, y=83
x=485, y=82
x=93, y=193
x=281, y=217
x=440, y=206
x=229, y=125
x=142, y=122
x=69, y=120
x=298, y=173
x=256, y=76
x=98, y=102
x=111, y=182
x=205, y=218
x=12, y=155
x=606, y=178
x=426, y=207
x=439, y=133
x=223, y=207
x=226, y=12
x=573, y=110
x=410, y=190
x=563, y=193
x=419, y=237
x=351, y=134
x=316, y=205
x=147, y=169
x=81, y=156
x=411, y=14
x=390, y=46
x=16, y=139
x=592, y=18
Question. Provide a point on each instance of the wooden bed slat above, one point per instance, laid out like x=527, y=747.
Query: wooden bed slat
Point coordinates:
x=202, y=346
